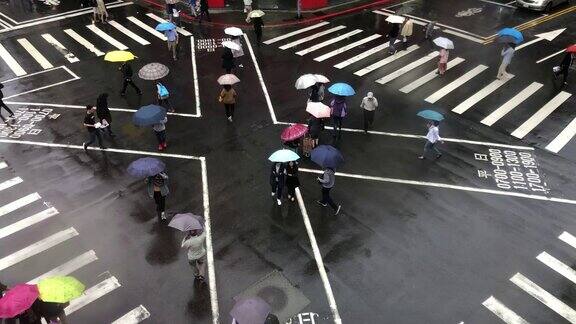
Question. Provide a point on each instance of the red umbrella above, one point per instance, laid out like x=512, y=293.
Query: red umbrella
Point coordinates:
x=293, y=132
x=571, y=49
x=17, y=300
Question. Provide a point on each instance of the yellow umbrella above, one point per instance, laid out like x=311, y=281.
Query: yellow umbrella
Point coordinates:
x=119, y=56
x=60, y=289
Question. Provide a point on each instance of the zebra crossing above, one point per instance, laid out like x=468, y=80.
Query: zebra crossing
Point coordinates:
x=536, y=291
x=71, y=45
x=17, y=218
x=413, y=70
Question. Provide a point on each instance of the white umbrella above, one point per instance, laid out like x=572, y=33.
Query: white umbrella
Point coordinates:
x=228, y=79
x=231, y=45
x=321, y=79
x=318, y=109
x=305, y=81
x=444, y=43
x=256, y=13
x=395, y=19
x=233, y=31
x=153, y=71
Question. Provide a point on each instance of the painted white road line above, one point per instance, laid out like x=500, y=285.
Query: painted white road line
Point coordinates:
x=195, y=76
x=93, y=293
x=511, y=104
x=134, y=316
x=568, y=239
x=387, y=60
x=481, y=94
x=37, y=248
x=60, y=48
x=84, y=42
x=328, y=42
x=550, y=56
x=11, y=62
x=447, y=186
x=462, y=35
x=312, y=37
x=47, y=86
x=346, y=48
x=363, y=55
x=209, y=245
x=68, y=14
x=19, y=203
x=318, y=258
x=147, y=28
x=35, y=53
x=557, y=266
x=114, y=150
x=262, y=83
x=407, y=68
x=112, y=41
x=563, y=138
x=8, y=18
x=3, y=165
x=10, y=183
x=430, y=76
x=128, y=33
x=455, y=84
x=544, y=297
x=296, y=32
x=499, y=4
x=32, y=74
x=28, y=221
x=504, y=313
x=541, y=114
x=180, y=30
x=68, y=267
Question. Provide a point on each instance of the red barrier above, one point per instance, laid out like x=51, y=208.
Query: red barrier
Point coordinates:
x=312, y=4
x=216, y=3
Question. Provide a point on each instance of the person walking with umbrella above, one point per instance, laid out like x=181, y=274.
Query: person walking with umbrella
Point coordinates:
x=292, y=181
x=160, y=131
x=257, y=23
x=327, y=182
x=407, y=30
x=433, y=136
x=163, y=95
x=194, y=242
x=338, y=107
x=103, y=113
x=157, y=187
x=155, y=116
x=369, y=105
x=395, y=21
x=127, y=73
x=228, y=60
x=92, y=127
x=445, y=45
x=277, y=180
x=3, y=105
x=172, y=40
x=102, y=12
x=507, y=54
x=566, y=63
x=204, y=11
x=228, y=98
x=327, y=157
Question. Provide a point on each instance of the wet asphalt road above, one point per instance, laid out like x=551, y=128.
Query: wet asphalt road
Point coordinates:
x=398, y=253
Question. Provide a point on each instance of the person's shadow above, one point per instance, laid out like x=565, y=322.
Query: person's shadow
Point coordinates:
x=165, y=246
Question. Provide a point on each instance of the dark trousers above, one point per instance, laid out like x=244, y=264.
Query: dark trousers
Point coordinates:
x=429, y=146
x=161, y=136
x=202, y=13
x=95, y=135
x=337, y=125
x=258, y=36
x=291, y=189
x=229, y=110
x=160, y=202
x=391, y=48
x=166, y=104
x=565, y=73
x=368, y=118
x=277, y=188
x=131, y=83
x=3, y=105
x=326, y=198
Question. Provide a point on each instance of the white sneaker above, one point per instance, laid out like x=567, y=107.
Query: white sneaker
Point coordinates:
x=279, y=202
x=273, y=193
x=163, y=216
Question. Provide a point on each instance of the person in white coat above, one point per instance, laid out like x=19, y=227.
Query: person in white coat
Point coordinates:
x=406, y=32
x=194, y=242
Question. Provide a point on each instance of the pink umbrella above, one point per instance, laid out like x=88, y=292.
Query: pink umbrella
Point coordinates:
x=293, y=132
x=318, y=110
x=17, y=300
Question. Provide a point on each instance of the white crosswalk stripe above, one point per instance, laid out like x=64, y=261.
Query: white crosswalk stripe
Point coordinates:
x=60, y=48
x=35, y=53
x=68, y=267
x=93, y=293
x=84, y=42
x=312, y=37
x=563, y=138
x=541, y=114
x=481, y=94
x=347, y=47
x=568, y=239
x=455, y=84
x=180, y=30
x=107, y=37
x=430, y=76
x=385, y=61
x=511, y=104
x=135, y=316
x=328, y=42
x=503, y=312
x=363, y=55
x=19, y=203
x=128, y=33
x=557, y=266
x=11, y=62
x=10, y=183
x=147, y=28
x=28, y=221
x=407, y=68
x=296, y=32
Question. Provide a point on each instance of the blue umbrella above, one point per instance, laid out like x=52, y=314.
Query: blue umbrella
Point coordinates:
x=327, y=156
x=148, y=115
x=510, y=35
x=145, y=167
x=162, y=27
x=431, y=115
x=341, y=89
x=283, y=156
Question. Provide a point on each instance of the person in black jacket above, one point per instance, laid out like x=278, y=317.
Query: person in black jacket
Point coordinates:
x=277, y=180
x=292, y=181
x=103, y=113
x=127, y=73
x=567, y=61
x=315, y=127
x=3, y=105
x=392, y=36
x=258, y=23
x=204, y=10
x=228, y=60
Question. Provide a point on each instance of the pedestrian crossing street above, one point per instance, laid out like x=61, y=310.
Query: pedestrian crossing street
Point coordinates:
x=33, y=223
x=413, y=71
x=536, y=291
x=72, y=45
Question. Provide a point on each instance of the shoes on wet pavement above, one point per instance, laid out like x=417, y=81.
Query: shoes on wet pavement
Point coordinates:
x=292, y=199
x=273, y=193
x=438, y=156
x=199, y=278
x=321, y=203
x=165, y=145
x=85, y=146
x=160, y=147
x=421, y=157
x=279, y=202
x=338, y=210
x=163, y=216
x=230, y=119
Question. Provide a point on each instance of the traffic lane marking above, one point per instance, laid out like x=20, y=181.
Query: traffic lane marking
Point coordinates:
x=74, y=77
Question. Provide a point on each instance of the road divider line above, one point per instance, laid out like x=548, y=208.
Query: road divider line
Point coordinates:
x=346, y=48
x=540, y=115
x=128, y=33
x=10, y=183
x=563, y=138
x=195, y=76
x=11, y=62
x=557, y=266
x=363, y=55
x=296, y=32
x=83, y=41
x=407, y=68
x=387, y=60
x=19, y=203
x=93, y=293
x=60, y=48
x=147, y=28
x=544, y=297
x=37, y=248
x=456, y=83
x=568, y=239
x=26, y=222
x=328, y=42
x=481, y=94
x=318, y=258
x=430, y=76
x=68, y=267
x=509, y=105
x=35, y=53
x=507, y=315
x=262, y=83
x=111, y=40
x=180, y=30
x=134, y=316
x=312, y=37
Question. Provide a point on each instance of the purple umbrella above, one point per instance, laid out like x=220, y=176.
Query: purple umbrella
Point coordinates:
x=250, y=310
x=187, y=222
x=146, y=167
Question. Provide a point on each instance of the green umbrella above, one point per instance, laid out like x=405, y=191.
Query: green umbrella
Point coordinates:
x=60, y=289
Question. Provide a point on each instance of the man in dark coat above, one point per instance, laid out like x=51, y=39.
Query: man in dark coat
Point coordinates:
x=258, y=23
x=127, y=73
x=204, y=10
x=228, y=60
x=103, y=113
x=567, y=61
x=392, y=36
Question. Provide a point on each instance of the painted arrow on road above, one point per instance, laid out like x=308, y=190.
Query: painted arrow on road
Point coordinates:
x=549, y=36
